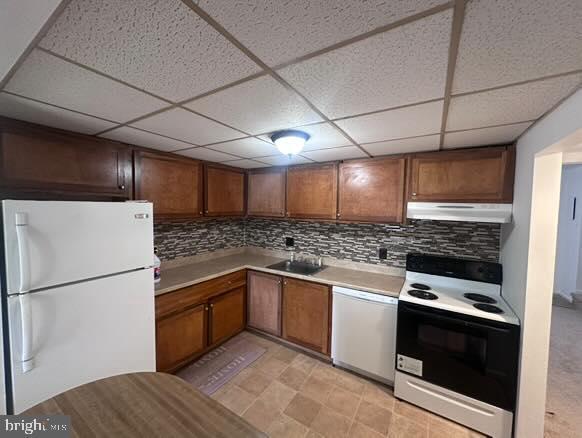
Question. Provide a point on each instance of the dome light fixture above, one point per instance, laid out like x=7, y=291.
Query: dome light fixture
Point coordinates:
x=290, y=142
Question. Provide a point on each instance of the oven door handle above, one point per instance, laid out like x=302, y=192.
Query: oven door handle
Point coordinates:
x=437, y=315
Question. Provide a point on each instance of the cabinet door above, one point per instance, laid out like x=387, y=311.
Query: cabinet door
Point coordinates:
x=472, y=175
x=37, y=158
x=174, y=185
x=312, y=191
x=225, y=191
x=264, y=302
x=306, y=314
x=372, y=190
x=227, y=315
x=180, y=337
x=267, y=192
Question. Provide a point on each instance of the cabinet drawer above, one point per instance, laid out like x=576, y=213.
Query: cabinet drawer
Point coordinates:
x=198, y=293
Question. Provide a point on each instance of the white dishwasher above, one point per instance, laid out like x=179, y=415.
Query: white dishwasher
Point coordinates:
x=363, y=334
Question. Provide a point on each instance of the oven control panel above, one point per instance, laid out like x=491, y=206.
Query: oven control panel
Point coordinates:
x=409, y=365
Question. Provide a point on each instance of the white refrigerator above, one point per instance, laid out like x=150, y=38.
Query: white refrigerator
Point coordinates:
x=77, y=296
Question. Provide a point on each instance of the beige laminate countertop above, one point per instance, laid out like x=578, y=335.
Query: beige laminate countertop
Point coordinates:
x=187, y=275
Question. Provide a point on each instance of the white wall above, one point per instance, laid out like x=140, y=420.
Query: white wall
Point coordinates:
x=569, y=232
x=519, y=277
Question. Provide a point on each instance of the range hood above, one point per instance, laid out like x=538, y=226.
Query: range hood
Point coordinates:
x=444, y=211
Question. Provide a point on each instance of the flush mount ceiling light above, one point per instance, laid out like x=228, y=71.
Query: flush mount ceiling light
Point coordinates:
x=290, y=142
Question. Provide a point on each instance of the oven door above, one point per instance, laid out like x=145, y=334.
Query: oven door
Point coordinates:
x=472, y=356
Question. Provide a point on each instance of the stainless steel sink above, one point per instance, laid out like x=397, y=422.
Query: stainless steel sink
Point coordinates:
x=297, y=267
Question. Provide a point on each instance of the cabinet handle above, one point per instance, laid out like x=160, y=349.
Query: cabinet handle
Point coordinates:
x=200, y=213
x=211, y=306
x=206, y=308
x=338, y=215
x=206, y=211
x=414, y=194
x=121, y=186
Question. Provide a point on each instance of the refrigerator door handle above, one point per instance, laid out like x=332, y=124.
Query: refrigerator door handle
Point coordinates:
x=23, y=253
x=27, y=358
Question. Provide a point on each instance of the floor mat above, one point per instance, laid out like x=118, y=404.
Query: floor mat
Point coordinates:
x=217, y=367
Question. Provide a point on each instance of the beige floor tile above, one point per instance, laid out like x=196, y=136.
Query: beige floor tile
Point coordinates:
x=286, y=355
x=235, y=399
x=374, y=416
x=303, y=409
x=325, y=373
x=255, y=382
x=293, y=378
x=411, y=412
x=316, y=389
x=304, y=363
x=286, y=427
x=278, y=395
x=343, y=402
x=350, y=382
x=403, y=427
x=359, y=430
x=379, y=395
x=330, y=424
x=261, y=414
x=271, y=366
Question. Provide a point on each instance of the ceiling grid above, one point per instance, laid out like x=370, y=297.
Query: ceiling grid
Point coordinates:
x=294, y=62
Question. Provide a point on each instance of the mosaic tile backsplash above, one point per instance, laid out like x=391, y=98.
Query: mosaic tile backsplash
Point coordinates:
x=354, y=242
x=188, y=238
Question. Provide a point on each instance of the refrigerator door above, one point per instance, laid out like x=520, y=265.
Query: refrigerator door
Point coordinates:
x=81, y=333
x=50, y=243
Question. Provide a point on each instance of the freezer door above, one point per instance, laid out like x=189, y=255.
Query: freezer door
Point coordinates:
x=81, y=333
x=49, y=243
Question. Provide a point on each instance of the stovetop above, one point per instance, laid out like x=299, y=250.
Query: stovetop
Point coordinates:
x=468, y=297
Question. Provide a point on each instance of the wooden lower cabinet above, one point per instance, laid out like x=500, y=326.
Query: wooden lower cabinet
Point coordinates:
x=306, y=314
x=195, y=319
x=180, y=336
x=227, y=315
x=264, y=302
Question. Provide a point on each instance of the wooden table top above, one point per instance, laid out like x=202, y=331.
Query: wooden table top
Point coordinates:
x=144, y=405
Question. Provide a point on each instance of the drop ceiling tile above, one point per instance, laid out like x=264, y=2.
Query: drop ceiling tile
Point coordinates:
x=246, y=164
x=405, y=65
x=256, y=106
x=485, y=136
x=323, y=136
x=49, y=79
x=335, y=154
x=280, y=31
x=507, y=105
x=160, y=46
x=284, y=160
x=183, y=125
x=127, y=134
x=206, y=154
x=246, y=147
x=510, y=41
x=404, y=146
x=400, y=123
x=35, y=112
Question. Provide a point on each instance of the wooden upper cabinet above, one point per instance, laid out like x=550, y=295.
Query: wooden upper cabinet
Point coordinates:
x=35, y=158
x=306, y=314
x=312, y=191
x=173, y=184
x=372, y=190
x=225, y=191
x=471, y=175
x=266, y=196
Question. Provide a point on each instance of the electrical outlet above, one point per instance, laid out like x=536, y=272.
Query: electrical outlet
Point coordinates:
x=289, y=241
x=383, y=253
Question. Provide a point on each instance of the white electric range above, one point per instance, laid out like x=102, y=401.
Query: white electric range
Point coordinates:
x=457, y=343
